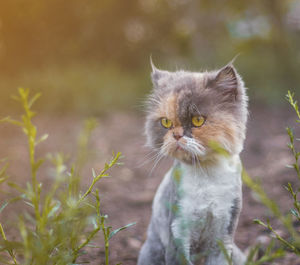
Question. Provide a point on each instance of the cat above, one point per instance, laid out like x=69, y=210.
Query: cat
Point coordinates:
x=199, y=120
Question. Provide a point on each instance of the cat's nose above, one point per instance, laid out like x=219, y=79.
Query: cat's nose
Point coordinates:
x=177, y=136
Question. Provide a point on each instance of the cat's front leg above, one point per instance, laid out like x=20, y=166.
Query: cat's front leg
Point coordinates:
x=178, y=249
x=238, y=257
x=179, y=243
x=153, y=251
x=175, y=254
x=171, y=256
x=218, y=258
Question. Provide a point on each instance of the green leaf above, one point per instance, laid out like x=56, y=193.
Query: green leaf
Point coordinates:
x=217, y=147
x=3, y=176
x=225, y=252
x=3, y=179
x=33, y=99
x=12, y=121
x=295, y=213
x=8, y=202
x=112, y=233
x=252, y=253
x=94, y=173
x=42, y=139
x=17, y=187
x=54, y=209
x=257, y=221
x=37, y=165
x=92, y=246
x=7, y=245
x=29, y=203
x=3, y=206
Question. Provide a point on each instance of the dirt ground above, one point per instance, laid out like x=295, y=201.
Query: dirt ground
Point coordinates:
x=127, y=196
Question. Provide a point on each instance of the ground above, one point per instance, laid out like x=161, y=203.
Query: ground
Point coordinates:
x=127, y=195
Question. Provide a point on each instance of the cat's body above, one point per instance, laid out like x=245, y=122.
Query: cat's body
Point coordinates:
x=199, y=200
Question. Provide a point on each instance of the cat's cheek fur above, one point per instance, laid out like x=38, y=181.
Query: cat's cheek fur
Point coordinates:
x=155, y=133
x=220, y=131
x=169, y=144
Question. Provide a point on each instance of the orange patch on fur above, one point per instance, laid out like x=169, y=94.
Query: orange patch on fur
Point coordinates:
x=168, y=108
x=217, y=130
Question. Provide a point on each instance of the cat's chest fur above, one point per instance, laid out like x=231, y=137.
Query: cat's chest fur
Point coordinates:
x=203, y=200
x=201, y=191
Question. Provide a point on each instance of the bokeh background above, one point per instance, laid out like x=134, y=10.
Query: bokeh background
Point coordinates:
x=87, y=56
x=91, y=58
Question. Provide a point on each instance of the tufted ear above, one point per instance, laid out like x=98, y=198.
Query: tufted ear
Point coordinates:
x=226, y=81
x=156, y=74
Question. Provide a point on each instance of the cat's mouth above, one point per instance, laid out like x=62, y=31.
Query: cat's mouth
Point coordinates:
x=187, y=150
x=179, y=148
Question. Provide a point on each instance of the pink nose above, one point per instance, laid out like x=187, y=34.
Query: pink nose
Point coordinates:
x=177, y=136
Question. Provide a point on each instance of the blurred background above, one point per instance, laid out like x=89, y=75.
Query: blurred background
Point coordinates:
x=92, y=56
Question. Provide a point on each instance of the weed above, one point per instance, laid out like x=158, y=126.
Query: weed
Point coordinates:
x=64, y=221
x=292, y=242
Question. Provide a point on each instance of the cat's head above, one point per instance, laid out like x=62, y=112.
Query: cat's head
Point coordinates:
x=189, y=113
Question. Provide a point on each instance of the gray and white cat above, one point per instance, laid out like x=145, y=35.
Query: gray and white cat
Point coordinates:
x=199, y=119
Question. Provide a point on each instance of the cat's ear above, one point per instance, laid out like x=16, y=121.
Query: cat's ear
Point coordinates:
x=227, y=78
x=226, y=81
x=156, y=74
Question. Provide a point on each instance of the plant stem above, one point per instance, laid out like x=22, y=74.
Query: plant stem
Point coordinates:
x=10, y=252
x=106, y=240
x=88, y=239
x=268, y=226
x=101, y=175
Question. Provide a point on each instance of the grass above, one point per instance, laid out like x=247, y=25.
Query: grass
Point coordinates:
x=63, y=221
x=291, y=242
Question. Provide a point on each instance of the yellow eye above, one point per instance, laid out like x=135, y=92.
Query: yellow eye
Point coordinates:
x=198, y=121
x=166, y=123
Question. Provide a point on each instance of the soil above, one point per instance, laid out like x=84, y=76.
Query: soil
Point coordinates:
x=127, y=195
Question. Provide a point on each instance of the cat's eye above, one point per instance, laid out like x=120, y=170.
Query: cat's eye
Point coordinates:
x=198, y=121
x=166, y=123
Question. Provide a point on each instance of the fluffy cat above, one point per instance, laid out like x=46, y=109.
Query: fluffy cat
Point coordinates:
x=199, y=119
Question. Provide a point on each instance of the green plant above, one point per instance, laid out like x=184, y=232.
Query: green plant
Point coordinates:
x=63, y=221
x=292, y=241
x=270, y=254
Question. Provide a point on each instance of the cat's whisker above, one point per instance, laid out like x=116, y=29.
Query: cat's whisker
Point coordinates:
x=154, y=100
x=193, y=160
x=148, y=158
x=195, y=150
x=160, y=155
x=197, y=147
x=152, y=156
x=198, y=162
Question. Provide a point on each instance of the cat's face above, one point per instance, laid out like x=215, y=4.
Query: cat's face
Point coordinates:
x=189, y=113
